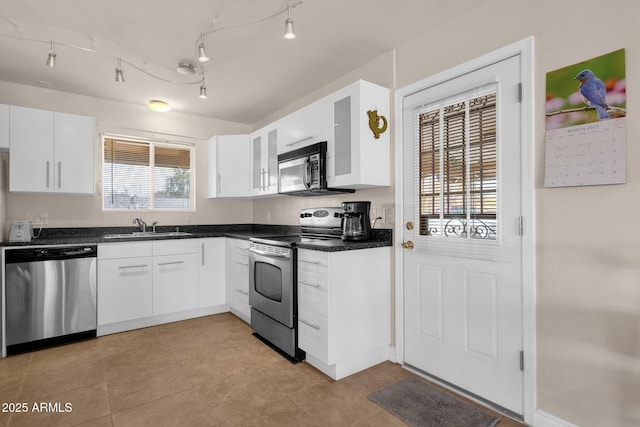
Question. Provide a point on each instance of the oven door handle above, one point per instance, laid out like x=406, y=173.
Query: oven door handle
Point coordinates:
x=267, y=254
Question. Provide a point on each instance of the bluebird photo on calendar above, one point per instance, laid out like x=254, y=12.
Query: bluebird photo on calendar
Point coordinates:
x=587, y=92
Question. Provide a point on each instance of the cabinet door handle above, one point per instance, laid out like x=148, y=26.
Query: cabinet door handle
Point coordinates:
x=313, y=285
x=219, y=183
x=316, y=327
x=170, y=263
x=309, y=262
x=203, y=254
x=48, y=173
x=59, y=174
x=242, y=264
x=242, y=291
x=124, y=267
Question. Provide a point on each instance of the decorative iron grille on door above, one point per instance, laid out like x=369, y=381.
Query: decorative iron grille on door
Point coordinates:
x=458, y=169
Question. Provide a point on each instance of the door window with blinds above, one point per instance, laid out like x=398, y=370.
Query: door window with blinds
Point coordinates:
x=147, y=175
x=457, y=170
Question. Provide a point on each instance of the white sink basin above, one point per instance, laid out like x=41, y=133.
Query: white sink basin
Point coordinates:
x=146, y=234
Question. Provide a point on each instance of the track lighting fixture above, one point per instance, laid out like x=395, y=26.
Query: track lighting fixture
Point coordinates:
x=288, y=25
x=51, y=59
x=184, y=67
x=203, y=90
x=202, y=54
x=119, y=74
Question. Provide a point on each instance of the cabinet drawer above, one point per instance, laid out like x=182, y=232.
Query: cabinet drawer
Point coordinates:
x=313, y=292
x=313, y=335
x=125, y=289
x=176, y=246
x=124, y=250
x=313, y=261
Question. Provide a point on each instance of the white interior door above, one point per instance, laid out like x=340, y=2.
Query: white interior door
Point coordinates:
x=462, y=276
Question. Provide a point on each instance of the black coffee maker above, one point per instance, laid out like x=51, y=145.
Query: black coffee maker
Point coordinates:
x=356, y=224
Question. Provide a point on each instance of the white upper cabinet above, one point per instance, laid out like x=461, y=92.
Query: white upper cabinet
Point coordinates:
x=305, y=126
x=264, y=160
x=229, y=166
x=357, y=158
x=4, y=127
x=51, y=152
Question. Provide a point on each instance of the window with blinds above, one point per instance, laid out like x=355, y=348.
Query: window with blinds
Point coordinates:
x=458, y=169
x=147, y=175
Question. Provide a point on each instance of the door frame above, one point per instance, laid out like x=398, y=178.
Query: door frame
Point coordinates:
x=524, y=48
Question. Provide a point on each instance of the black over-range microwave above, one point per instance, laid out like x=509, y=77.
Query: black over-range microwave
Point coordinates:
x=303, y=172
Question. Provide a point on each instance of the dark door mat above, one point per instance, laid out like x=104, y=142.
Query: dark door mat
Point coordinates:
x=421, y=405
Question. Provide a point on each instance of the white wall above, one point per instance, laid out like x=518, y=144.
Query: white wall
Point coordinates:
x=133, y=120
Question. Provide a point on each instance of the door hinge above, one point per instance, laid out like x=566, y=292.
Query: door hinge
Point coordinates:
x=520, y=92
x=522, y=361
x=520, y=226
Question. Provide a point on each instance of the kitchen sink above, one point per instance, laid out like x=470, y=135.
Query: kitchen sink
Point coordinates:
x=146, y=234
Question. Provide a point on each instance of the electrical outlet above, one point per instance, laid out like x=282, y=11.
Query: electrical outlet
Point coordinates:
x=388, y=215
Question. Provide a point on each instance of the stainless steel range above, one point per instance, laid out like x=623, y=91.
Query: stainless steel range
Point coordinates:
x=273, y=279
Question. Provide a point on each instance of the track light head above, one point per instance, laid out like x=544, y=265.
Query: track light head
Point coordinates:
x=288, y=26
x=202, y=54
x=203, y=91
x=51, y=59
x=119, y=74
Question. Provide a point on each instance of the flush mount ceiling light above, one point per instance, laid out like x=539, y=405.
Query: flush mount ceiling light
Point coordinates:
x=51, y=59
x=159, y=106
x=186, y=68
x=288, y=26
x=119, y=74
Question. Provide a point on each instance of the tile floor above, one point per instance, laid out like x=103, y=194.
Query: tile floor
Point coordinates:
x=202, y=372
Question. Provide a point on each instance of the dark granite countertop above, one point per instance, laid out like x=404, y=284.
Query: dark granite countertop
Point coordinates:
x=95, y=235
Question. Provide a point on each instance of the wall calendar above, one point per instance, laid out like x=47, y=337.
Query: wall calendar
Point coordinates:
x=586, y=123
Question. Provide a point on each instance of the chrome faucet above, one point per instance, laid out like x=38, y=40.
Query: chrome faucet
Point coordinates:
x=154, y=226
x=141, y=224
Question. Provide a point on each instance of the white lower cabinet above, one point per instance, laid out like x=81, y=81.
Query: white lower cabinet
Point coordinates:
x=125, y=282
x=147, y=283
x=211, y=272
x=238, y=278
x=175, y=276
x=344, y=309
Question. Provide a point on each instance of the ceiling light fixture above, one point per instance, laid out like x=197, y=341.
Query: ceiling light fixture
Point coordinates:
x=51, y=59
x=119, y=74
x=202, y=54
x=288, y=26
x=203, y=90
x=159, y=106
x=186, y=68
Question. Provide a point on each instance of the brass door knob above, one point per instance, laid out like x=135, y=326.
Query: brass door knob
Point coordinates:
x=408, y=244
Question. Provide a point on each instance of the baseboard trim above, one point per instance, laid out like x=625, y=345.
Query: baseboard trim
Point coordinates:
x=544, y=419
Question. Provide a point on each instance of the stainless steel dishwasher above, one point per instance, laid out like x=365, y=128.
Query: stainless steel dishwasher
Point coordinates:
x=50, y=296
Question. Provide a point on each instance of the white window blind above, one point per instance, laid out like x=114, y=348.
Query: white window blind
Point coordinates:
x=458, y=169
x=147, y=175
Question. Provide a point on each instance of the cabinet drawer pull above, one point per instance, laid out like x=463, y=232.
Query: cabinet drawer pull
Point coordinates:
x=170, y=263
x=310, y=324
x=242, y=291
x=124, y=267
x=313, y=285
x=309, y=262
x=299, y=141
x=242, y=264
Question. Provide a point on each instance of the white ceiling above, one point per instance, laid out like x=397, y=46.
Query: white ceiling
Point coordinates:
x=254, y=71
